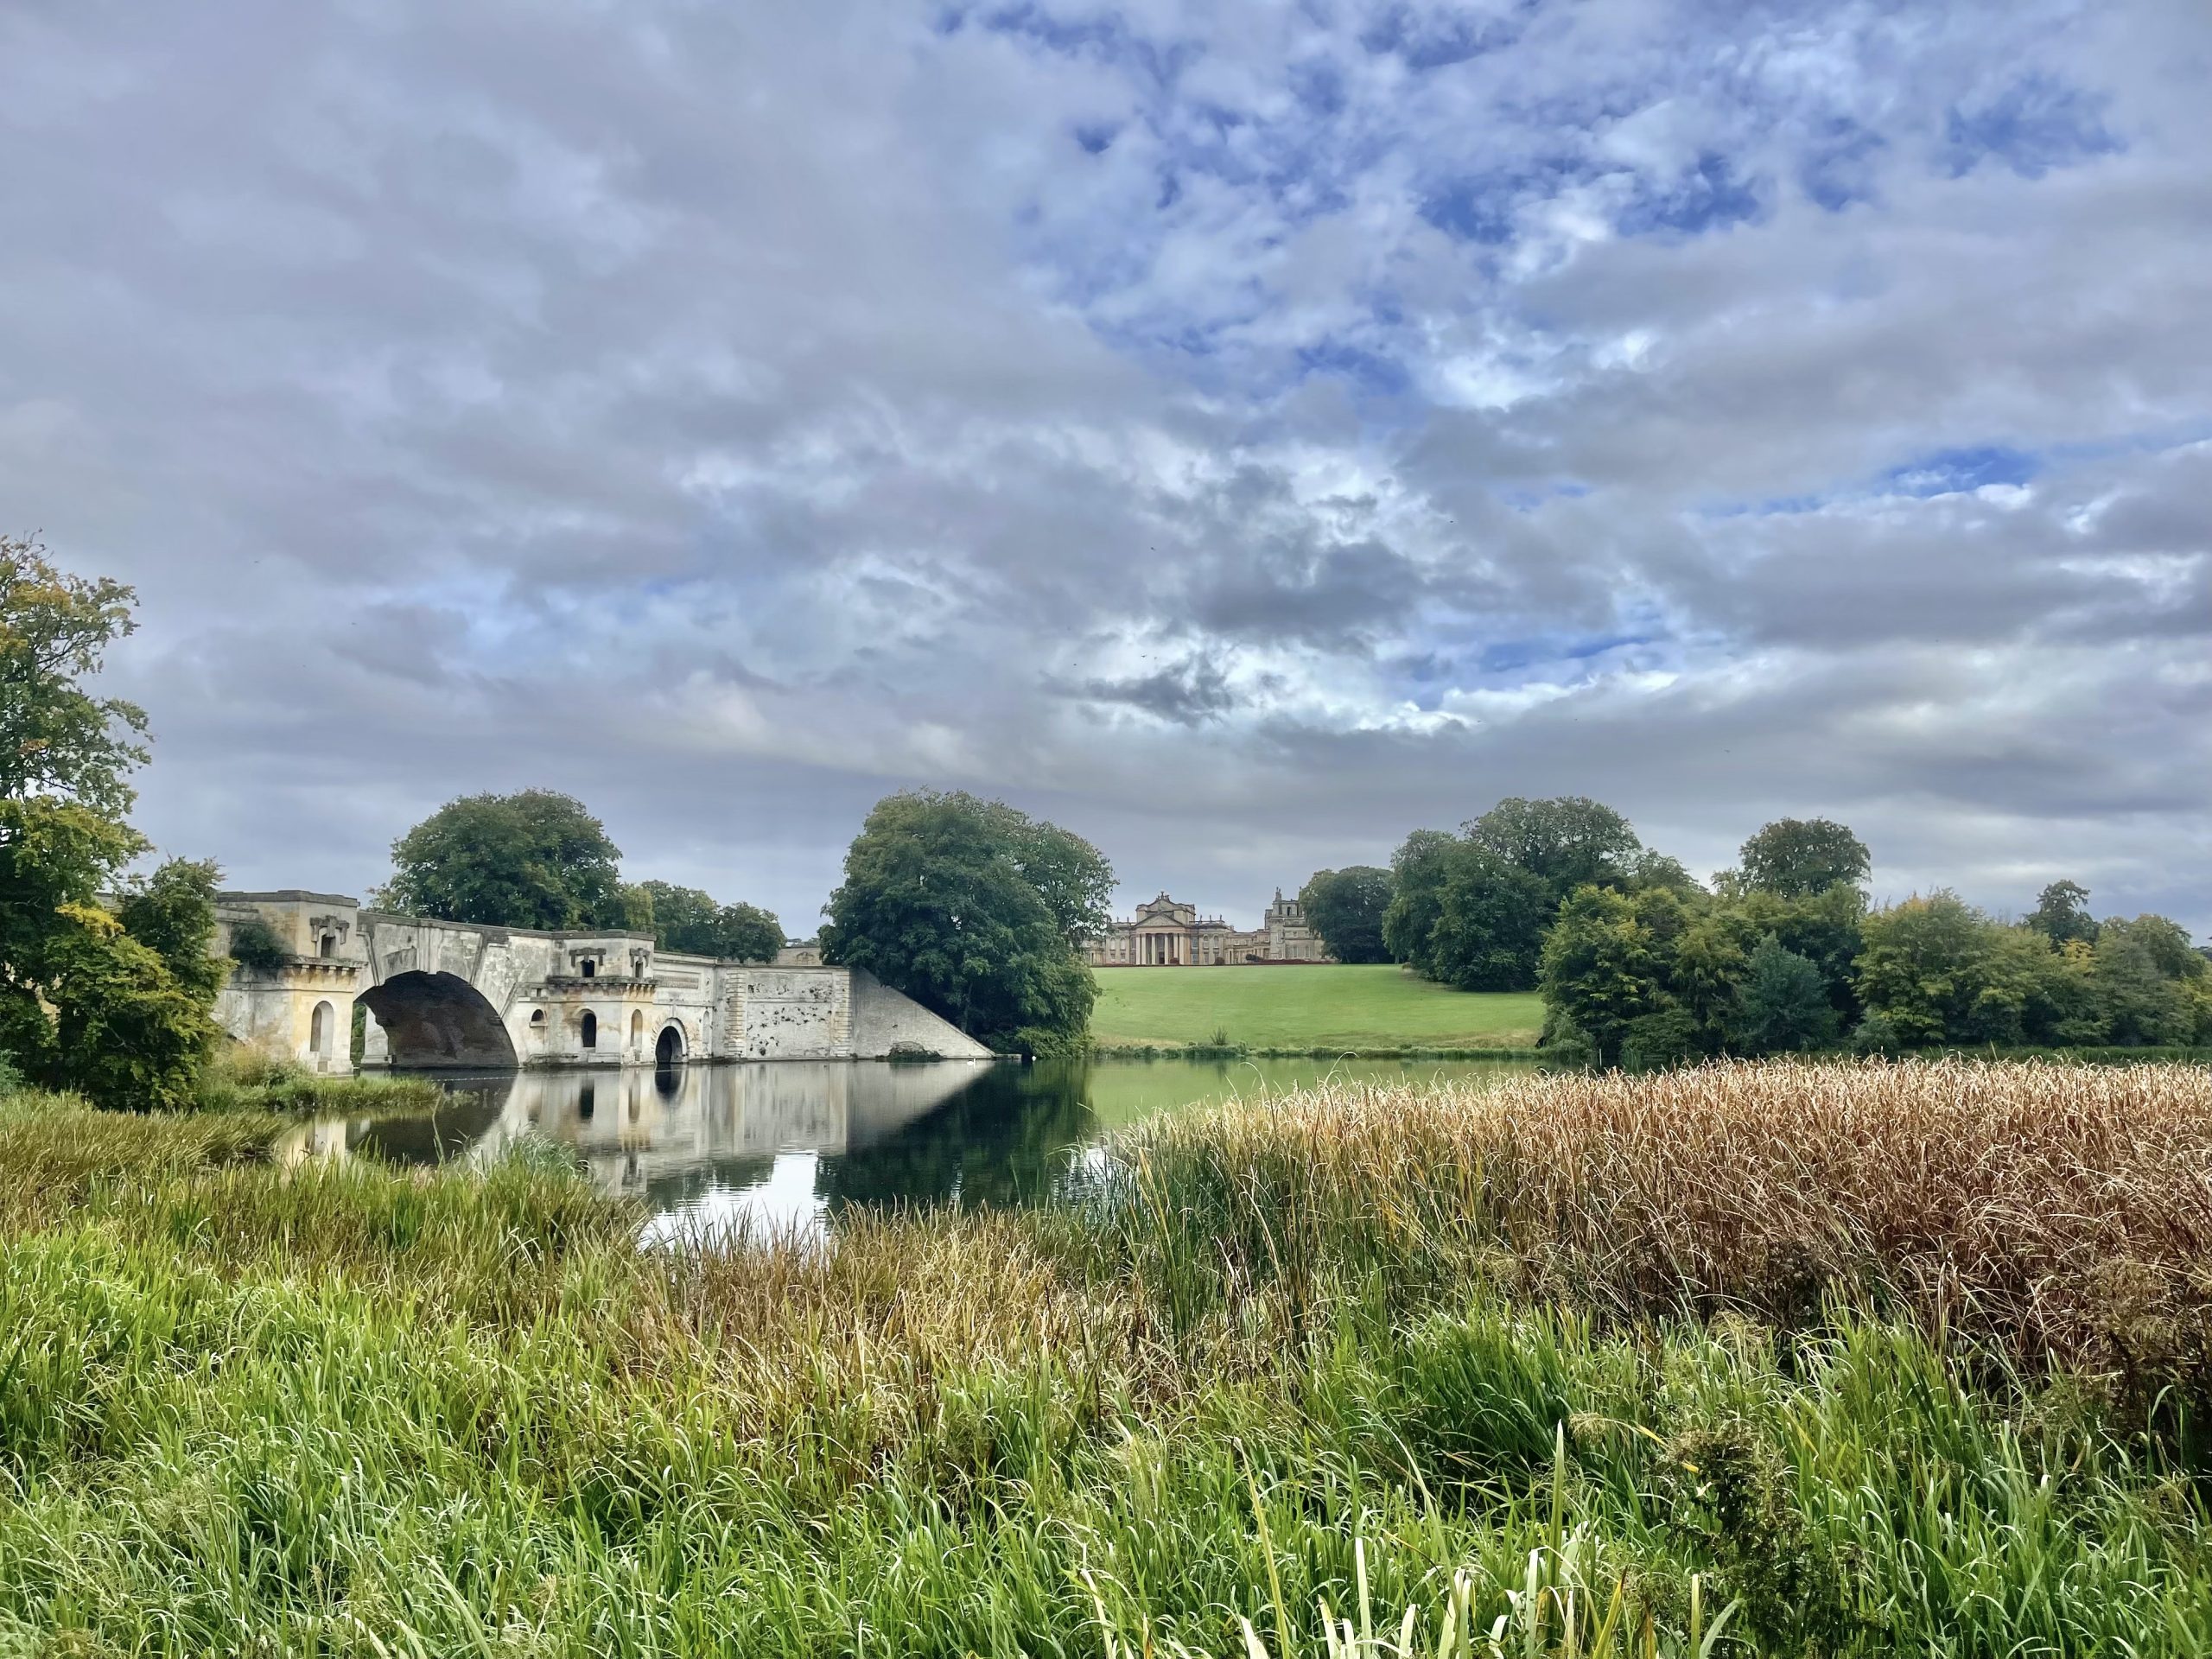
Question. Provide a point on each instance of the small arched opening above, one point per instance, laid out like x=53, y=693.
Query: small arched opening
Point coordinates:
x=669, y=1049
x=320, y=1024
x=636, y=1028
x=590, y=1029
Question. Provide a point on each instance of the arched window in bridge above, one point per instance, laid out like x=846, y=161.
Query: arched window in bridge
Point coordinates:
x=637, y=1027
x=591, y=1029
x=537, y=1017
x=319, y=1027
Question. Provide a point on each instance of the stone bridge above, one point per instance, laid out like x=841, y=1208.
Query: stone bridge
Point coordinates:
x=459, y=995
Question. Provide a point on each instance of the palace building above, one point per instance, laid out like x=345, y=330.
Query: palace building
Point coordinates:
x=1168, y=933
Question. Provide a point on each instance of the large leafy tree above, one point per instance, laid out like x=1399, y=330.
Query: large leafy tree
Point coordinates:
x=687, y=919
x=1345, y=908
x=1605, y=967
x=1782, y=1005
x=1418, y=870
x=533, y=859
x=1566, y=842
x=976, y=911
x=1491, y=915
x=2062, y=914
x=1796, y=858
x=110, y=1000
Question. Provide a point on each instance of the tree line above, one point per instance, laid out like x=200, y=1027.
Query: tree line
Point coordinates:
x=1640, y=963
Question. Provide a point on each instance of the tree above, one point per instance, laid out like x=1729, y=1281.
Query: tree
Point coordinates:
x=1605, y=967
x=2146, y=977
x=1826, y=928
x=1417, y=872
x=1346, y=907
x=1799, y=857
x=938, y=901
x=534, y=858
x=1782, y=1005
x=2062, y=914
x=1567, y=842
x=746, y=932
x=114, y=1005
x=1071, y=875
x=1489, y=933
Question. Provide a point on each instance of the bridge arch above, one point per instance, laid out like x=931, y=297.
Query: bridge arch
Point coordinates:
x=669, y=1047
x=435, y=1019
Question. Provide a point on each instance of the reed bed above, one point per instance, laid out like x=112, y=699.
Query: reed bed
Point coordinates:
x=1292, y=1370
x=2061, y=1213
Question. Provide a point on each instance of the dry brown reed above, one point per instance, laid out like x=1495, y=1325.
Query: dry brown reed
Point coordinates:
x=2063, y=1213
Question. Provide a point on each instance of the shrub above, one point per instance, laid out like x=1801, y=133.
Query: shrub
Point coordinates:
x=255, y=946
x=1782, y=1005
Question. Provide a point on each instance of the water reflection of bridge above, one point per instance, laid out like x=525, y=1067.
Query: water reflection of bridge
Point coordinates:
x=658, y=1135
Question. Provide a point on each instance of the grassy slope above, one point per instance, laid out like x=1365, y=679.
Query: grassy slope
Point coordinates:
x=1318, y=1006
x=361, y=1411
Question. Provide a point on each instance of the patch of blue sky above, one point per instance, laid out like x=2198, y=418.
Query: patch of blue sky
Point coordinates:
x=1105, y=38
x=1710, y=196
x=1514, y=656
x=1838, y=167
x=1371, y=373
x=2038, y=124
x=1525, y=498
x=1424, y=39
x=1939, y=472
x=1949, y=472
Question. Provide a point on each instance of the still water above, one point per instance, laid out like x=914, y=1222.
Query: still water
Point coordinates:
x=791, y=1143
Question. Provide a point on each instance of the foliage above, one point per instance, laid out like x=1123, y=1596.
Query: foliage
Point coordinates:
x=1346, y=907
x=2062, y=914
x=58, y=742
x=976, y=912
x=1796, y=858
x=1417, y=872
x=1567, y=842
x=256, y=947
x=1489, y=932
x=534, y=858
x=1470, y=911
x=687, y=920
x=1781, y=1005
x=1604, y=966
x=1484, y=1355
x=112, y=1003
x=126, y=1034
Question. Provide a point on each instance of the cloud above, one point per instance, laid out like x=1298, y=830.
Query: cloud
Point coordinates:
x=1242, y=432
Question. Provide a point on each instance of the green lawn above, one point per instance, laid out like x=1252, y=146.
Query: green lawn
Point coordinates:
x=1317, y=1007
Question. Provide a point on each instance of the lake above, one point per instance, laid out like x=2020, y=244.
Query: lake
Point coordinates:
x=791, y=1143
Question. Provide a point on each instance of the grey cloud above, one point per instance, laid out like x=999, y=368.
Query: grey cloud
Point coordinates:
x=729, y=414
x=1187, y=693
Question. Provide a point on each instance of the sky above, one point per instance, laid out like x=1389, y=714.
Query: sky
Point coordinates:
x=1239, y=432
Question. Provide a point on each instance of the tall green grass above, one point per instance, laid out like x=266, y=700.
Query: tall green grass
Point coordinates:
x=351, y=1409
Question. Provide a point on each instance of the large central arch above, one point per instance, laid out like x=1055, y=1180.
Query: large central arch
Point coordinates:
x=439, y=1021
